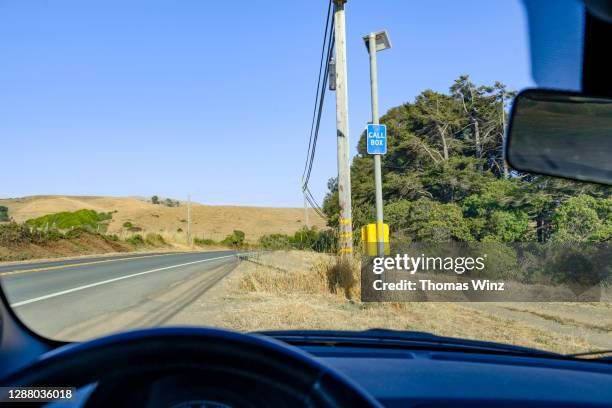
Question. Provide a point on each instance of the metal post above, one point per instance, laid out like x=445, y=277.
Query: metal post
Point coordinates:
x=377, y=158
x=189, y=219
x=344, y=170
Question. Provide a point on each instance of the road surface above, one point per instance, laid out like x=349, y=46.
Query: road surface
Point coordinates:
x=75, y=299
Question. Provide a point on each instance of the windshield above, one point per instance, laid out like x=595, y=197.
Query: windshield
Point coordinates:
x=287, y=165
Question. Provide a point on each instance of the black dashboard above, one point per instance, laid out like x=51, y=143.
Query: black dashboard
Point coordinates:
x=399, y=378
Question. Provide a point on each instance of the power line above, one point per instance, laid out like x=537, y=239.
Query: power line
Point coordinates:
x=313, y=203
x=326, y=52
x=320, y=111
x=319, y=90
x=328, y=43
x=313, y=200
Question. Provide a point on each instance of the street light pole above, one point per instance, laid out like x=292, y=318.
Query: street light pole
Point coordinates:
x=373, y=47
x=377, y=158
x=344, y=170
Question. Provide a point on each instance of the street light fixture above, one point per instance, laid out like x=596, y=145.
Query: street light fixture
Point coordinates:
x=382, y=41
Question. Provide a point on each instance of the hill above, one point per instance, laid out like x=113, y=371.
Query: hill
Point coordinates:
x=139, y=214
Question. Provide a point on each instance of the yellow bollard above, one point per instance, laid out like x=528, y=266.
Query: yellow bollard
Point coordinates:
x=369, y=238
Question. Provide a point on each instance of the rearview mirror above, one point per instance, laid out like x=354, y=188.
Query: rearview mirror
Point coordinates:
x=561, y=134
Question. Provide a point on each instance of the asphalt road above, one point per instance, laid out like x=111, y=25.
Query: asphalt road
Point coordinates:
x=62, y=296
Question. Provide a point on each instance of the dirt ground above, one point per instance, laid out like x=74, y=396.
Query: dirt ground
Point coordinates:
x=288, y=290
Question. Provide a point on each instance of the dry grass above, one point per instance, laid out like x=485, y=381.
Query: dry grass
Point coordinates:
x=214, y=222
x=278, y=283
x=341, y=275
x=291, y=290
x=329, y=274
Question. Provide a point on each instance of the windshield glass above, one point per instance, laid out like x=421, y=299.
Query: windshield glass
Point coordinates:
x=287, y=165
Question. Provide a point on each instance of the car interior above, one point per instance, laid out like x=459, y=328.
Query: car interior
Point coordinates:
x=561, y=129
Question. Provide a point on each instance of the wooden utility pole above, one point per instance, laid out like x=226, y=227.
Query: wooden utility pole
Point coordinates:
x=189, y=219
x=306, y=221
x=342, y=126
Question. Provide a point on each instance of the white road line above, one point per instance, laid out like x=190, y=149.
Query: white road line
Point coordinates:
x=104, y=282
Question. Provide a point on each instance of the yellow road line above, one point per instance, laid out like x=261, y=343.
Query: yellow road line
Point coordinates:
x=50, y=268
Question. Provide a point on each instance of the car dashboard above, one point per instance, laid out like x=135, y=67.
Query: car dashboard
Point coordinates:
x=428, y=379
x=400, y=378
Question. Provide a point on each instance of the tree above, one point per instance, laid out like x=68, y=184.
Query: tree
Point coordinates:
x=445, y=178
x=155, y=199
x=168, y=202
x=583, y=218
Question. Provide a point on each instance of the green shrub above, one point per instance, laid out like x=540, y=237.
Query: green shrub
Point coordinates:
x=112, y=237
x=74, y=233
x=135, y=240
x=15, y=234
x=155, y=239
x=327, y=241
x=131, y=227
x=275, y=241
x=306, y=238
x=204, y=241
x=87, y=219
x=52, y=235
x=170, y=203
x=4, y=214
x=235, y=239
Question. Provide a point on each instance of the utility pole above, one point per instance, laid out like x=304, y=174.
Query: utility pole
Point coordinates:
x=189, y=219
x=373, y=48
x=344, y=170
x=306, y=221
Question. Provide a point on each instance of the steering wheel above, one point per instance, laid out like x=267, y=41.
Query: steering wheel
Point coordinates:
x=174, y=367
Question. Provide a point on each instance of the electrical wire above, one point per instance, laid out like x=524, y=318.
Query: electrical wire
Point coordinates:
x=328, y=45
x=319, y=90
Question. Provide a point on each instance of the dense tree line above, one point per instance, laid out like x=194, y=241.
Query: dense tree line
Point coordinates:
x=444, y=178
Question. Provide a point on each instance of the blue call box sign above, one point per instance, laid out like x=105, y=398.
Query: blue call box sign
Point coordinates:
x=377, y=139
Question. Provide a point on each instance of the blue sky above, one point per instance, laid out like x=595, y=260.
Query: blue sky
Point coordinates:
x=169, y=97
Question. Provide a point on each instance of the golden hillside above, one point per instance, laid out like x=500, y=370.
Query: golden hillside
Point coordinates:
x=209, y=221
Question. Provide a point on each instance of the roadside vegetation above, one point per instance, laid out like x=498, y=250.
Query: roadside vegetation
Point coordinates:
x=21, y=242
x=84, y=232
x=168, y=202
x=305, y=239
x=284, y=290
x=69, y=233
x=444, y=178
x=4, y=217
x=85, y=219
